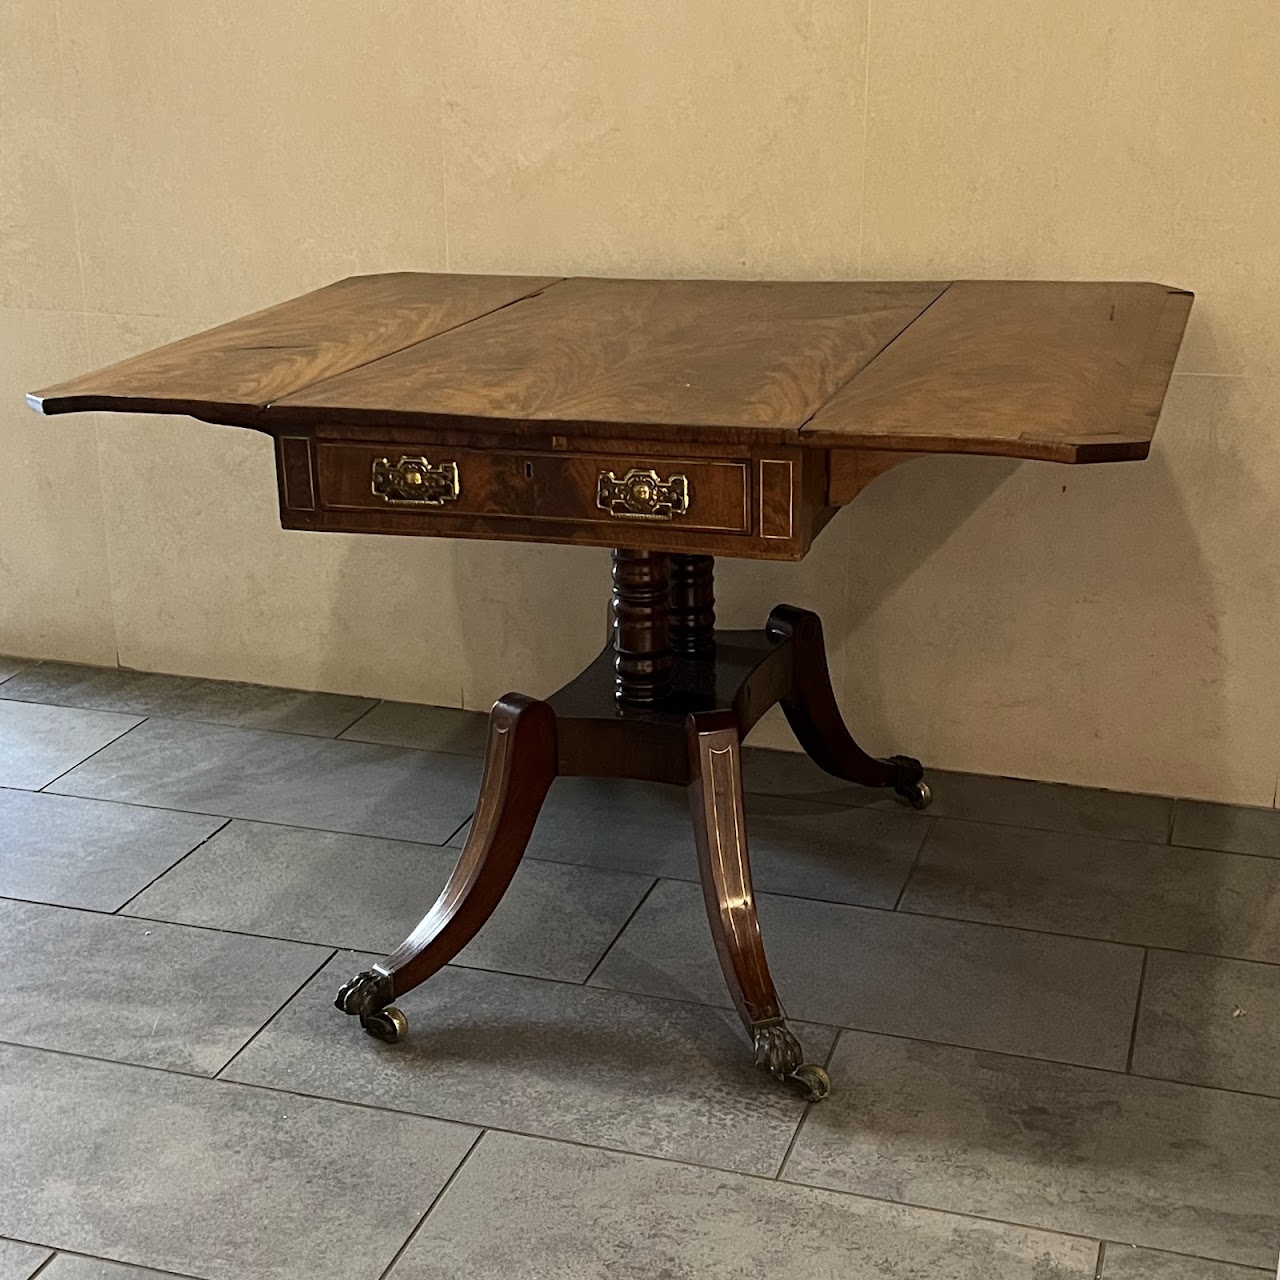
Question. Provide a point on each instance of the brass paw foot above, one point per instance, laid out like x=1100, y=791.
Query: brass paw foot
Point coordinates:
x=778, y=1052
x=368, y=995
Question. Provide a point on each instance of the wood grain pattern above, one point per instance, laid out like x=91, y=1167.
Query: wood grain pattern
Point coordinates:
x=1071, y=372
x=720, y=835
x=1074, y=372
x=519, y=767
x=660, y=353
x=230, y=373
x=511, y=493
x=533, y=486
x=849, y=471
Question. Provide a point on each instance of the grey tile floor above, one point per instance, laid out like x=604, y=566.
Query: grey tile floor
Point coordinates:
x=1052, y=1016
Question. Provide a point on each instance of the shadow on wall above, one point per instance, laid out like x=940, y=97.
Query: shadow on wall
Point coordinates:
x=1022, y=619
x=1034, y=620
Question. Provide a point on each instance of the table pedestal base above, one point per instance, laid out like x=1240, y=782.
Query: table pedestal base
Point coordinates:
x=668, y=712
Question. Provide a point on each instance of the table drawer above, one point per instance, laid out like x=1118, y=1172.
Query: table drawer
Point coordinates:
x=609, y=489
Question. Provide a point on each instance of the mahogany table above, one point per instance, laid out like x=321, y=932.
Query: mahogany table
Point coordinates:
x=674, y=420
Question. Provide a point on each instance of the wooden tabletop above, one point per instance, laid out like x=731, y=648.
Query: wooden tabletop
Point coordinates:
x=1071, y=372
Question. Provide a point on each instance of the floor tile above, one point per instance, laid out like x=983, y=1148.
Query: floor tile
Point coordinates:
x=799, y=847
x=1051, y=806
x=1018, y=802
x=155, y=994
x=1061, y=998
x=37, y=744
x=1183, y=899
x=208, y=1178
x=142, y=693
x=367, y=894
x=282, y=777
x=548, y=1058
x=67, y=1266
x=1210, y=1021
x=89, y=853
x=518, y=1209
x=1167, y=1166
x=19, y=1261
x=1128, y=1262
x=408, y=724
x=11, y=666
x=616, y=823
x=824, y=851
x=1229, y=827
x=793, y=774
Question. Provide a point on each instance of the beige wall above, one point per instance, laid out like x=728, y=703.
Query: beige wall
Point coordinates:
x=166, y=165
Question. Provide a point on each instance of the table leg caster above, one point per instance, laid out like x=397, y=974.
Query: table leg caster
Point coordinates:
x=778, y=1052
x=919, y=795
x=911, y=785
x=812, y=1081
x=368, y=996
x=387, y=1024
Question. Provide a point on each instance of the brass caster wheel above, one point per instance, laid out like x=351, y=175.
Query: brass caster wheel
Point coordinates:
x=812, y=1081
x=919, y=796
x=387, y=1024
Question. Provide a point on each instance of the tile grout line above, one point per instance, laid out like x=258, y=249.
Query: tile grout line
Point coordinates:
x=690, y=879
x=604, y=991
x=874, y=806
x=808, y=1109
x=369, y=710
x=1101, y=1262
x=1004, y=1222
x=57, y=1253
x=454, y=834
x=626, y=924
x=643, y=995
x=1137, y=1011
x=435, y=1200
x=862, y=806
x=44, y=790
x=337, y=949
x=222, y=826
x=280, y=1008
x=231, y=817
x=619, y=1151
x=1048, y=933
x=915, y=862
x=336, y=736
x=1196, y=1257
x=183, y=717
x=214, y=928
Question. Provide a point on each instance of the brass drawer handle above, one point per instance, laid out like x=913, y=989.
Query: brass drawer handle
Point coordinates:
x=641, y=495
x=415, y=482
